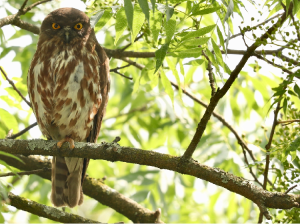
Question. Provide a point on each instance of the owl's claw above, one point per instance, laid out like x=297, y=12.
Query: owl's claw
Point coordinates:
x=67, y=139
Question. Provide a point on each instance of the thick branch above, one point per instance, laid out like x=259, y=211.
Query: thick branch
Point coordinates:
x=113, y=152
x=46, y=211
x=91, y=187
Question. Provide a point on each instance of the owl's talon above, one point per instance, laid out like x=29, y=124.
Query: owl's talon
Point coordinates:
x=67, y=139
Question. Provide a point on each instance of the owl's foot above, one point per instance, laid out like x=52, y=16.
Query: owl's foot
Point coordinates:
x=66, y=139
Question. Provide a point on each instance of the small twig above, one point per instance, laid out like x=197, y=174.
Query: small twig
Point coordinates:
x=136, y=39
x=272, y=63
x=13, y=85
x=25, y=172
x=268, y=146
x=23, y=131
x=250, y=168
x=123, y=75
x=23, y=10
x=239, y=34
x=289, y=121
x=243, y=36
x=117, y=139
x=115, y=70
x=22, y=7
x=291, y=188
x=9, y=133
x=210, y=75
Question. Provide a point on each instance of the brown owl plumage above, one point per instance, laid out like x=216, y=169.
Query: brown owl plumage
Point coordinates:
x=68, y=83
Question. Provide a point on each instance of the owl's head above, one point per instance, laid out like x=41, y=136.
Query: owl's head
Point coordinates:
x=67, y=24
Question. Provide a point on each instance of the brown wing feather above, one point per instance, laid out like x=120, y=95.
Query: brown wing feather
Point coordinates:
x=105, y=87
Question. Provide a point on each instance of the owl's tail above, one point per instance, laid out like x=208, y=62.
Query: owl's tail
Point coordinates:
x=66, y=181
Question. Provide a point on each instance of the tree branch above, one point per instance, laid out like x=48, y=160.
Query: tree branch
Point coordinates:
x=23, y=131
x=46, y=211
x=219, y=94
x=113, y=152
x=91, y=187
x=14, y=87
x=25, y=172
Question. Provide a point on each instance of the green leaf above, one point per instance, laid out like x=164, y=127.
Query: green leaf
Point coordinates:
x=155, y=24
x=95, y=18
x=160, y=56
x=229, y=10
x=195, y=52
x=103, y=20
x=138, y=21
x=199, y=32
x=129, y=12
x=9, y=120
x=217, y=52
x=297, y=90
x=206, y=11
x=169, y=12
x=140, y=196
x=221, y=39
x=175, y=73
x=170, y=27
x=194, y=42
x=196, y=62
x=293, y=146
x=121, y=24
x=145, y=7
x=167, y=85
x=153, y=5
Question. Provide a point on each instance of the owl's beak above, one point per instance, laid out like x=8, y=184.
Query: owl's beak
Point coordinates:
x=67, y=33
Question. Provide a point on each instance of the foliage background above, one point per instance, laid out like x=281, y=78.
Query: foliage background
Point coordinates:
x=148, y=113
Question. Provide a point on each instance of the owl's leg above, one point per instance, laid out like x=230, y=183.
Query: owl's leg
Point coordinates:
x=66, y=139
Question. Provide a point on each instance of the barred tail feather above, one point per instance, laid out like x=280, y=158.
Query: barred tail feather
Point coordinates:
x=73, y=195
x=59, y=176
x=66, y=181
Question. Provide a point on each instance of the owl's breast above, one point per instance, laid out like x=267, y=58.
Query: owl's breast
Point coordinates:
x=70, y=93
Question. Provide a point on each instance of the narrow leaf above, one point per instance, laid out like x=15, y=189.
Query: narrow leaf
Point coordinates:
x=138, y=21
x=199, y=32
x=206, y=11
x=170, y=27
x=221, y=39
x=169, y=12
x=121, y=24
x=129, y=12
x=155, y=24
x=297, y=90
x=95, y=18
x=160, y=54
x=217, y=52
x=196, y=62
x=103, y=20
x=145, y=8
x=229, y=10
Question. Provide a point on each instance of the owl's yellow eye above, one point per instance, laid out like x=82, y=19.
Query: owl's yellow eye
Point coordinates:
x=78, y=26
x=55, y=26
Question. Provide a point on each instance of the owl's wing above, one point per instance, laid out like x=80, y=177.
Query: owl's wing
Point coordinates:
x=105, y=87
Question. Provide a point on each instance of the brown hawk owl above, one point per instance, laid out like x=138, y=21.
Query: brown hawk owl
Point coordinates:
x=68, y=83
